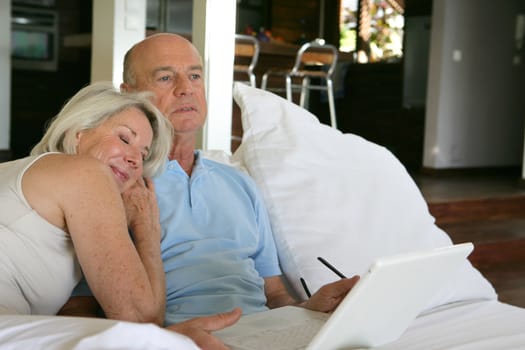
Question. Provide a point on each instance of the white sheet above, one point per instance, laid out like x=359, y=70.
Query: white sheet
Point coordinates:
x=76, y=333
x=481, y=325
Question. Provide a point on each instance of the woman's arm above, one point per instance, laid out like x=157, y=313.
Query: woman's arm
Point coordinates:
x=80, y=194
x=143, y=220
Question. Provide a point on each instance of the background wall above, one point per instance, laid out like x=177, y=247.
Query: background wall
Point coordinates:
x=475, y=106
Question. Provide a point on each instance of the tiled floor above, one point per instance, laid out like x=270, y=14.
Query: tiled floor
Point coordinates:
x=460, y=186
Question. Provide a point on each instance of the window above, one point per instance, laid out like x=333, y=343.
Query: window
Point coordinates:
x=373, y=29
x=348, y=25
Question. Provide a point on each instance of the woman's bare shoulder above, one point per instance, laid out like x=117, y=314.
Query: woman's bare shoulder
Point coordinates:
x=57, y=183
x=59, y=164
x=59, y=172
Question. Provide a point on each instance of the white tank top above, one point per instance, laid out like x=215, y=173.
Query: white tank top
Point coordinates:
x=38, y=265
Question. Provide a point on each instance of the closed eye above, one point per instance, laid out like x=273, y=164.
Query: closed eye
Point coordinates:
x=124, y=139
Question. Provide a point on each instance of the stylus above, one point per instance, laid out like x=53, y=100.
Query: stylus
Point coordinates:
x=306, y=290
x=327, y=264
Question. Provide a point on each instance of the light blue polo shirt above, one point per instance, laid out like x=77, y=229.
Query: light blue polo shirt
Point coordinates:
x=217, y=243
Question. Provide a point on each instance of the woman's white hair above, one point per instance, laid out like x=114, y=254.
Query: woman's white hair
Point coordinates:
x=93, y=105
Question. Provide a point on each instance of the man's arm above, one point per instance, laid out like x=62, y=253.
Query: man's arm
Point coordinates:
x=326, y=299
x=82, y=306
x=276, y=293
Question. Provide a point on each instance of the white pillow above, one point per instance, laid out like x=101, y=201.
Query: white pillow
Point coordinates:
x=79, y=333
x=337, y=196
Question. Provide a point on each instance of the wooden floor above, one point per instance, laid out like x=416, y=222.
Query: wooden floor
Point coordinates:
x=488, y=209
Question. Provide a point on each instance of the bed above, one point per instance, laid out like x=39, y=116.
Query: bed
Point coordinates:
x=328, y=194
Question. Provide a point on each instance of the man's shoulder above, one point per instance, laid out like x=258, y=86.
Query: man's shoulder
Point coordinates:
x=222, y=160
x=218, y=156
x=224, y=166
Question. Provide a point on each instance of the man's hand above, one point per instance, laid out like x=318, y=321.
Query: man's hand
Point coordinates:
x=328, y=297
x=199, y=329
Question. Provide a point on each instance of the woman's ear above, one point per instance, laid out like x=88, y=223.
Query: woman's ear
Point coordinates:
x=78, y=137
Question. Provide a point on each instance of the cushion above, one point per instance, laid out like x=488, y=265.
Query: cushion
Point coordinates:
x=337, y=196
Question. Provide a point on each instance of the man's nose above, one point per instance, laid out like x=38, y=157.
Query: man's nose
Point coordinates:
x=183, y=87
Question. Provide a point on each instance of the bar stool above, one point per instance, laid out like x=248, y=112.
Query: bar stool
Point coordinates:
x=246, y=56
x=314, y=54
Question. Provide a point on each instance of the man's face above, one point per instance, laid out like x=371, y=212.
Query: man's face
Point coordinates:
x=171, y=68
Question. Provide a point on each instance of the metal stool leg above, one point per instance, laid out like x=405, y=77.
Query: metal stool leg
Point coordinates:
x=331, y=102
x=305, y=93
x=289, y=88
x=264, y=81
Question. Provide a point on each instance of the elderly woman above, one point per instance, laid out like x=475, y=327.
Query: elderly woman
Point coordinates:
x=62, y=209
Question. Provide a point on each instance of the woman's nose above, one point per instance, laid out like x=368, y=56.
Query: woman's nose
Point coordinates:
x=134, y=157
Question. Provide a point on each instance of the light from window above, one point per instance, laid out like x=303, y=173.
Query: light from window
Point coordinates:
x=374, y=30
x=348, y=25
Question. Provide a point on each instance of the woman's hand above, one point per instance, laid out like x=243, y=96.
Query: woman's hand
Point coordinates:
x=142, y=211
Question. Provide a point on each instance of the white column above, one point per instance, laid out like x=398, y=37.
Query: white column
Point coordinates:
x=117, y=25
x=5, y=73
x=213, y=34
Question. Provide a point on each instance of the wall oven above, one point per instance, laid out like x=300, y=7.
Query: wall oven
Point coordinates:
x=34, y=38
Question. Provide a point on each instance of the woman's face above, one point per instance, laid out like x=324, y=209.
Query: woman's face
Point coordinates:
x=122, y=142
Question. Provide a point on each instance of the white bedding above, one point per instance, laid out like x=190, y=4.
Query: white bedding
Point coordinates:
x=465, y=326
x=76, y=333
x=481, y=325
x=365, y=206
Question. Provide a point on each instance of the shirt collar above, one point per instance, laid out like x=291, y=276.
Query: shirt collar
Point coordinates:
x=198, y=167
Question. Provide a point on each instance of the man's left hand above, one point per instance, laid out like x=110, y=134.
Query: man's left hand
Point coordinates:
x=328, y=297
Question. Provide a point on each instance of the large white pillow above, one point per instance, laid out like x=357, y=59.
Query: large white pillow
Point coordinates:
x=337, y=196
